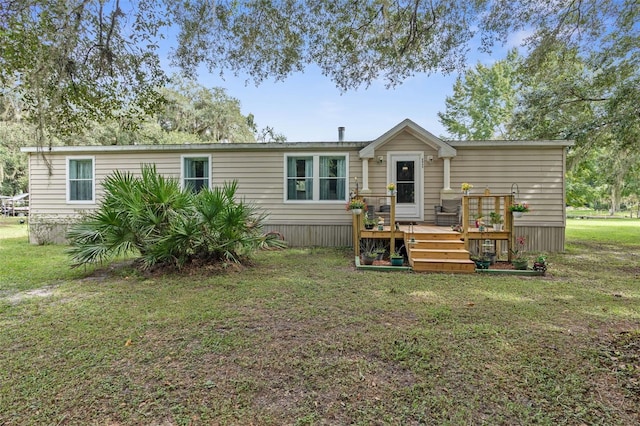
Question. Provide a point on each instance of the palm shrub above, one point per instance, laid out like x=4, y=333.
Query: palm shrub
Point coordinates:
x=152, y=217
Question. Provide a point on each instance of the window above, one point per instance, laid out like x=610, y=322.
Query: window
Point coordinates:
x=300, y=178
x=195, y=172
x=316, y=178
x=80, y=179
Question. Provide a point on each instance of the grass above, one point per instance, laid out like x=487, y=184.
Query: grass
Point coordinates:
x=301, y=337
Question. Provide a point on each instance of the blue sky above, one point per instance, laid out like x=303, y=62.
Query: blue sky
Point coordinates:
x=308, y=107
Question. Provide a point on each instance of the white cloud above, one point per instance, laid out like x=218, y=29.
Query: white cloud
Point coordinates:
x=518, y=38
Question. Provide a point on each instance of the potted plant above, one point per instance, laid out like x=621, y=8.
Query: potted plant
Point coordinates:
x=496, y=220
x=518, y=260
x=391, y=187
x=356, y=205
x=518, y=209
x=465, y=187
x=540, y=264
x=368, y=257
x=396, y=258
x=482, y=262
x=368, y=249
x=369, y=222
x=479, y=219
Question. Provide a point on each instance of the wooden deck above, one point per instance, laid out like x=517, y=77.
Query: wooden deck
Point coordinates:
x=430, y=248
x=433, y=248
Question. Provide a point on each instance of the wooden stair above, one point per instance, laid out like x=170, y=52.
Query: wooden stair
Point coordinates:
x=441, y=251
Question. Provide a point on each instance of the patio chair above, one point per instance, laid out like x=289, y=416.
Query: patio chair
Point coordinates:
x=448, y=213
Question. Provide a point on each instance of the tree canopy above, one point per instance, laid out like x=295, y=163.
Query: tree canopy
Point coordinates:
x=210, y=114
x=483, y=101
x=576, y=96
x=73, y=61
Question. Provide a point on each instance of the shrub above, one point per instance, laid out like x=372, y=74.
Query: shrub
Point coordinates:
x=151, y=216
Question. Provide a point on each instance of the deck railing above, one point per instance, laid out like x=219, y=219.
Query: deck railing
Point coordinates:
x=357, y=224
x=477, y=207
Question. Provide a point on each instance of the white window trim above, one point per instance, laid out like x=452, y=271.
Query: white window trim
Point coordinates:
x=93, y=179
x=185, y=156
x=316, y=177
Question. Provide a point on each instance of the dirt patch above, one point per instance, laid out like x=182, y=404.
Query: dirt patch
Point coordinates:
x=30, y=294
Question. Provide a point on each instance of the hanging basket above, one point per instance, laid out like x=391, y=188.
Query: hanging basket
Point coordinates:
x=356, y=211
x=517, y=214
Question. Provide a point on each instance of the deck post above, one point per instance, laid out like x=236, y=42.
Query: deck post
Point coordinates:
x=392, y=219
x=465, y=221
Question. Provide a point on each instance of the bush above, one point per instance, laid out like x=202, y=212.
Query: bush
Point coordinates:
x=151, y=216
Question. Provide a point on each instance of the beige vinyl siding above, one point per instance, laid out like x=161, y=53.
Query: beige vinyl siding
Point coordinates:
x=538, y=173
x=260, y=169
x=260, y=176
x=49, y=190
x=433, y=172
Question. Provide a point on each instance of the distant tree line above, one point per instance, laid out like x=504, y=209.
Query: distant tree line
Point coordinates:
x=188, y=113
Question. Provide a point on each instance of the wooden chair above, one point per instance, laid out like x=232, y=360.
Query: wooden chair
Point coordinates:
x=448, y=213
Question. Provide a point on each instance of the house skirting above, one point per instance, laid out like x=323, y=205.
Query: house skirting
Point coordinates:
x=52, y=229
x=314, y=235
x=548, y=239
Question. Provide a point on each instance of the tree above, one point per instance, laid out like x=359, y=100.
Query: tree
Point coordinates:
x=358, y=42
x=74, y=61
x=593, y=100
x=483, y=101
x=210, y=114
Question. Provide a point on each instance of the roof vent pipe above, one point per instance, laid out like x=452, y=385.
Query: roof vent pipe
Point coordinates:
x=341, y=134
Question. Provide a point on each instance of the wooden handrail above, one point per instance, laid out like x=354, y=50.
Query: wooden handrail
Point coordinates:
x=392, y=219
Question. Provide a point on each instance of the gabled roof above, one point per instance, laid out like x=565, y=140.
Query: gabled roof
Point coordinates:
x=444, y=149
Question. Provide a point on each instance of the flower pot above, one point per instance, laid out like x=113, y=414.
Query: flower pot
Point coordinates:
x=540, y=267
x=397, y=261
x=356, y=211
x=517, y=214
x=368, y=226
x=520, y=264
x=380, y=227
x=497, y=227
x=368, y=260
x=482, y=264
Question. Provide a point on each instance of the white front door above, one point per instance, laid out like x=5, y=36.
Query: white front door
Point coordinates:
x=405, y=169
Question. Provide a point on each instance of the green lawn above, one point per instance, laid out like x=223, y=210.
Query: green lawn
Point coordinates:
x=301, y=337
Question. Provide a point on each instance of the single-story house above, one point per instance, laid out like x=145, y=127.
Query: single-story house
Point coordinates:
x=304, y=186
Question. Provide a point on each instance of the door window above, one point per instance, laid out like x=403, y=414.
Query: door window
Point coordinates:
x=405, y=180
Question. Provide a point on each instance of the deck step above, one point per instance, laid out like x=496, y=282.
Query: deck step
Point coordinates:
x=436, y=244
x=436, y=253
x=444, y=265
x=440, y=236
x=439, y=252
